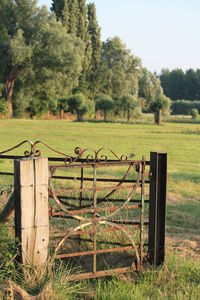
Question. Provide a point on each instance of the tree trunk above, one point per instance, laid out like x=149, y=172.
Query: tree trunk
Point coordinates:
x=128, y=114
x=158, y=117
x=79, y=116
x=95, y=114
x=105, y=116
x=61, y=113
x=49, y=113
x=10, y=82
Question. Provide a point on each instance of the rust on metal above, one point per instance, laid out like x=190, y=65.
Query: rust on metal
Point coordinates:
x=96, y=209
x=93, y=216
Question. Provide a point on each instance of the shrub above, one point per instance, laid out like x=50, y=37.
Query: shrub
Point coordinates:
x=184, y=107
x=104, y=103
x=128, y=104
x=78, y=104
x=194, y=114
x=161, y=105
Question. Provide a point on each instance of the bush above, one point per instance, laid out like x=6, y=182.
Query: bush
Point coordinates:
x=194, y=114
x=184, y=107
x=161, y=102
x=104, y=103
x=161, y=105
x=78, y=104
x=128, y=104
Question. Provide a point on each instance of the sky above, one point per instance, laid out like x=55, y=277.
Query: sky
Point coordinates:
x=163, y=33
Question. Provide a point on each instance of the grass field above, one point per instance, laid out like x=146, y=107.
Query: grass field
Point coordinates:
x=180, y=277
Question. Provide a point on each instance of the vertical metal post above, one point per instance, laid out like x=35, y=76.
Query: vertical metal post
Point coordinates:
x=157, y=207
x=81, y=192
x=95, y=213
x=142, y=210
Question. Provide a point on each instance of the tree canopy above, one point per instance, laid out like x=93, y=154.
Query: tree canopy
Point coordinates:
x=178, y=84
x=45, y=57
x=39, y=60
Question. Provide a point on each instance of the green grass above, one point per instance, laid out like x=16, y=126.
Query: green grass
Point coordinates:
x=180, y=278
x=180, y=141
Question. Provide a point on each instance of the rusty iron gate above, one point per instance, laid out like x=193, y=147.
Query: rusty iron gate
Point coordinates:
x=107, y=213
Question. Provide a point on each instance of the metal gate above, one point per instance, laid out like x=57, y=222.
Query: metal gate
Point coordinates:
x=107, y=213
x=100, y=207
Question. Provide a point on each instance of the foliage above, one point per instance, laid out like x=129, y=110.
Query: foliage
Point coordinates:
x=104, y=103
x=118, y=72
x=160, y=106
x=181, y=85
x=161, y=103
x=80, y=21
x=94, y=32
x=37, y=55
x=194, y=114
x=45, y=57
x=184, y=107
x=78, y=104
x=149, y=88
x=3, y=107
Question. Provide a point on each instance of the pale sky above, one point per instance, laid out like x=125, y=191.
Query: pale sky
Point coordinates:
x=163, y=33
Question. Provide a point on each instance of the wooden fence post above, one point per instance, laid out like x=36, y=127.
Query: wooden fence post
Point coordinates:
x=157, y=207
x=31, y=209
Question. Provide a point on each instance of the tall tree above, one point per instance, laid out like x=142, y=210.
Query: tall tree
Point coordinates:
x=84, y=35
x=174, y=84
x=58, y=7
x=149, y=88
x=118, y=69
x=95, y=37
x=191, y=85
x=82, y=21
x=36, y=55
x=15, y=50
x=73, y=17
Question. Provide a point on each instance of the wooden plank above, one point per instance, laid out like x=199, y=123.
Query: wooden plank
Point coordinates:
x=31, y=214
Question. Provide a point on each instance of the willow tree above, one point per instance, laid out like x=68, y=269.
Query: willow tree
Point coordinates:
x=119, y=69
x=38, y=58
x=128, y=105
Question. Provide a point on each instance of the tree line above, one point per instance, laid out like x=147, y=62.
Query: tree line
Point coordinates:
x=178, y=84
x=56, y=62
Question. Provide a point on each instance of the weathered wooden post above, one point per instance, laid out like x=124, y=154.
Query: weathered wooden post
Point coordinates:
x=31, y=209
x=157, y=207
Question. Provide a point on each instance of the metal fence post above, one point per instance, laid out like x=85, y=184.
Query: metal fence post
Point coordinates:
x=31, y=209
x=157, y=207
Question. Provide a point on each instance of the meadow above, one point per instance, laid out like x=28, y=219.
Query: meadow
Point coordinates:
x=179, y=278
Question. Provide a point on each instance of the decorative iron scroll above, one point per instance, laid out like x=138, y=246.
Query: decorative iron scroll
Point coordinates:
x=89, y=155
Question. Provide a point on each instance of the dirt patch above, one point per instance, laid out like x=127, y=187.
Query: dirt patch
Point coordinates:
x=184, y=247
x=174, y=199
